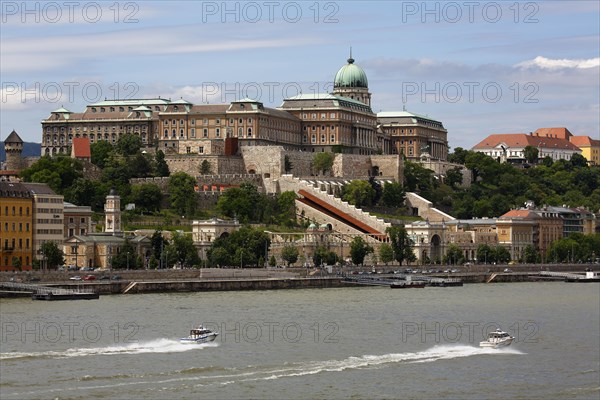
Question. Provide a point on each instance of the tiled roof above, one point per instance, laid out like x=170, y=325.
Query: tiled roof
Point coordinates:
x=584, y=141
x=81, y=148
x=518, y=214
x=513, y=140
x=39, y=188
x=559, y=133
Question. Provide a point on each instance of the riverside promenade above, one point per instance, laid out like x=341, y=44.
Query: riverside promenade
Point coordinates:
x=224, y=279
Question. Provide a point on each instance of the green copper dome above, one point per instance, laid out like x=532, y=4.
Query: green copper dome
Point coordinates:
x=351, y=75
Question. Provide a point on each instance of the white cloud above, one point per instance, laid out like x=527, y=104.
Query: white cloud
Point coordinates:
x=553, y=64
x=41, y=53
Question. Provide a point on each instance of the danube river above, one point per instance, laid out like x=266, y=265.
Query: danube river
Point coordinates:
x=365, y=342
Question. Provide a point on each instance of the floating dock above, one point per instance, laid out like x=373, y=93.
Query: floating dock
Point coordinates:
x=39, y=292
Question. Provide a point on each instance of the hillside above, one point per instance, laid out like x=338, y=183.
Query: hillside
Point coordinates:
x=29, y=149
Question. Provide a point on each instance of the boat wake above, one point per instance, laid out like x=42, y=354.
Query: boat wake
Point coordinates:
x=435, y=353
x=222, y=376
x=153, y=346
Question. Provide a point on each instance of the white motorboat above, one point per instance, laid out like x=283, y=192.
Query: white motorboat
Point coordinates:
x=498, y=338
x=200, y=335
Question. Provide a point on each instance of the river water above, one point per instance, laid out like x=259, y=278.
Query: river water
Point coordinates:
x=365, y=342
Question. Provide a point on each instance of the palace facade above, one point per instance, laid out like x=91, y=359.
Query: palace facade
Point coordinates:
x=341, y=122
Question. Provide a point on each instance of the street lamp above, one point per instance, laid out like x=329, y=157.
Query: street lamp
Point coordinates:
x=128, y=260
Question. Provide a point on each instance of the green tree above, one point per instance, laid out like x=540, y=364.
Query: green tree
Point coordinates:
x=286, y=207
x=418, y=178
x=322, y=162
x=454, y=177
x=458, y=156
x=577, y=160
x=501, y=255
x=401, y=244
x=158, y=243
x=454, y=255
x=244, y=203
x=58, y=172
x=244, y=247
x=530, y=255
x=485, y=254
x=53, y=256
x=147, y=197
x=85, y=192
x=17, y=264
x=359, y=193
x=287, y=164
x=205, y=167
x=386, y=253
x=126, y=257
x=139, y=166
x=393, y=195
x=531, y=154
x=101, y=153
x=183, y=194
x=162, y=169
x=272, y=261
x=182, y=247
x=323, y=256
x=128, y=144
x=359, y=250
x=290, y=254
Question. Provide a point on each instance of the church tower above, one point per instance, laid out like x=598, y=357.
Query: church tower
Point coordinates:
x=13, y=146
x=351, y=81
x=112, y=213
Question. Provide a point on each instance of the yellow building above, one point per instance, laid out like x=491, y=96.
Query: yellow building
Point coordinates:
x=517, y=230
x=16, y=229
x=590, y=148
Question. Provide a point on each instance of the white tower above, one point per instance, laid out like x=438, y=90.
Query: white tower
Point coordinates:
x=112, y=212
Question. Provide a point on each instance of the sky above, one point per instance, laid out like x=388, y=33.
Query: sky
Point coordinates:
x=479, y=67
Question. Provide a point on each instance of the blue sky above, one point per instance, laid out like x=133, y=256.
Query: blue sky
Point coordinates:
x=479, y=67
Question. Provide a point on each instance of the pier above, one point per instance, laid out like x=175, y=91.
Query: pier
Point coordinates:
x=39, y=292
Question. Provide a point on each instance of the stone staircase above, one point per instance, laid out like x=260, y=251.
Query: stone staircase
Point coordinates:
x=317, y=205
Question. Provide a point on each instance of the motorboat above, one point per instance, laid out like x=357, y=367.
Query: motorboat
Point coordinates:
x=200, y=334
x=498, y=338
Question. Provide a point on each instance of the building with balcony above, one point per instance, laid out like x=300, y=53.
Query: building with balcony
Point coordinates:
x=16, y=227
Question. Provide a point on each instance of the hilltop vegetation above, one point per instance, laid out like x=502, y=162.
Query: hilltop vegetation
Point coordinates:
x=496, y=187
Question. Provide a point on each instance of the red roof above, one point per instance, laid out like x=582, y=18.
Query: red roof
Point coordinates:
x=521, y=140
x=584, y=141
x=559, y=133
x=518, y=214
x=81, y=148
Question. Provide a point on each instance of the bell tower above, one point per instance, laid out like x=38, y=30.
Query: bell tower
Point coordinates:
x=112, y=213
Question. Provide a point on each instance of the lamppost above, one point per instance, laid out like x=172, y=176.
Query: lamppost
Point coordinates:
x=128, y=260
x=76, y=253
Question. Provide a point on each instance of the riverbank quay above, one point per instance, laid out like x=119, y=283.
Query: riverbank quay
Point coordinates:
x=168, y=281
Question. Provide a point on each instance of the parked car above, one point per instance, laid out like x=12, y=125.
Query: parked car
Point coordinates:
x=89, y=278
x=75, y=278
x=507, y=270
x=105, y=278
x=116, y=277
